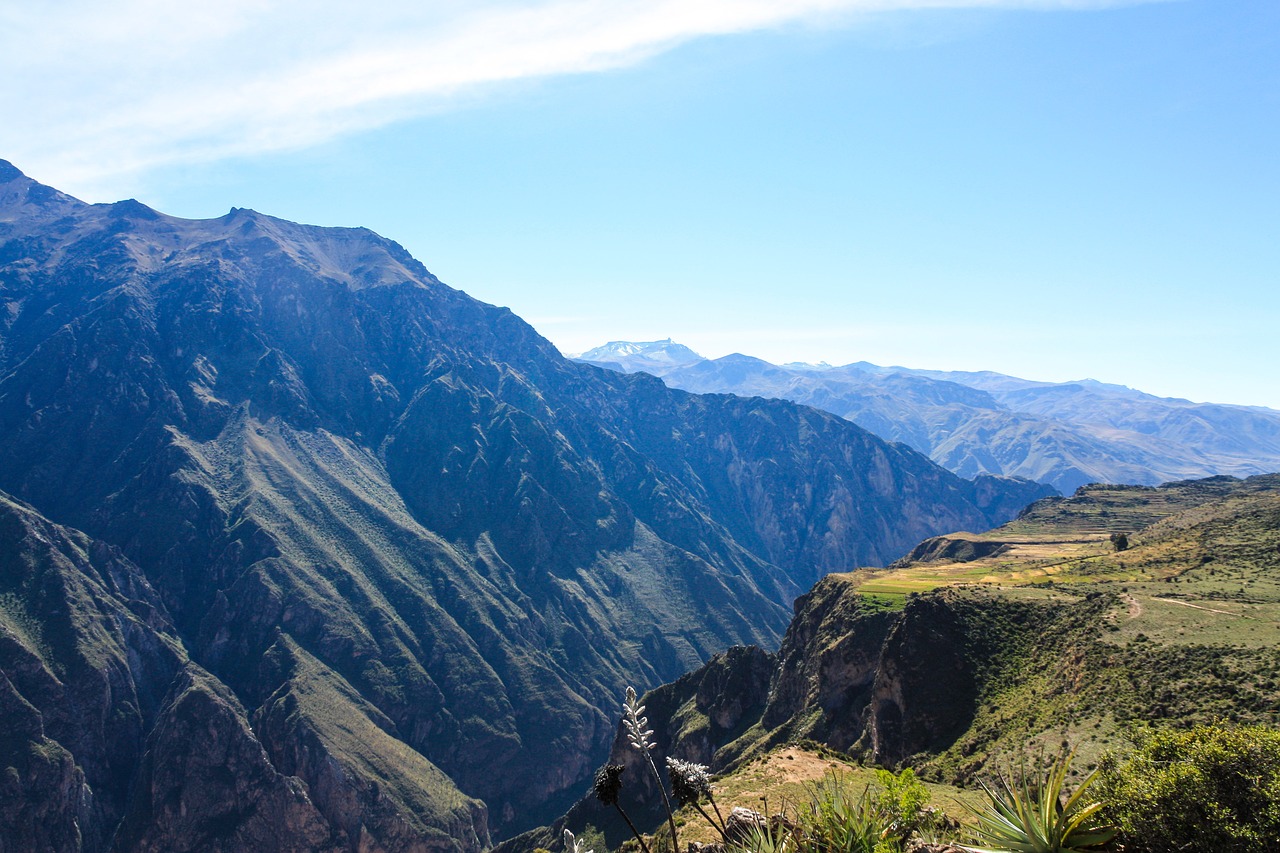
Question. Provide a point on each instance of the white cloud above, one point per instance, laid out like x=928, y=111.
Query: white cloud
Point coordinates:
x=96, y=89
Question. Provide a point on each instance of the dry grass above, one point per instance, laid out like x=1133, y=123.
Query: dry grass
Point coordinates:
x=783, y=778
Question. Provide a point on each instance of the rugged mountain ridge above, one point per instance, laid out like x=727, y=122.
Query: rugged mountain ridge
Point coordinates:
x=394, y=538
x=1065, y=434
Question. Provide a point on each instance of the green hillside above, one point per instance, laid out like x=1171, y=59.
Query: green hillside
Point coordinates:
x=1035, y=636
x=1070, y=639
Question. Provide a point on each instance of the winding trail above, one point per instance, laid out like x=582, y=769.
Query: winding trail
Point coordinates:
x=1199, y=607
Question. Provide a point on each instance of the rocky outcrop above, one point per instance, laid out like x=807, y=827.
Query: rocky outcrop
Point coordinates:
x=896, y=684
x=886, y=684
x=926, y=681
x=205, y=784
x=707, y=708
x=890, y=685
x=87, y=655
x=951, y=549
x=827, y=665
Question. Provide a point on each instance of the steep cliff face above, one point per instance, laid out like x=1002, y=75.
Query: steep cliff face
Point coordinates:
x=205, y=784
x=902, y=686
x=926, y=682
x=828, y=664
x=362, y=501
x=894, y=686
x=87, y=654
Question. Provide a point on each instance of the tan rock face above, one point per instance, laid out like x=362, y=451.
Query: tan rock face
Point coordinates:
x=828, y=661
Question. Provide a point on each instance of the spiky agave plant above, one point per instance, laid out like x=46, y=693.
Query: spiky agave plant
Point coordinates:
x=838, y=821
x=1026, y=815
x=765, y=839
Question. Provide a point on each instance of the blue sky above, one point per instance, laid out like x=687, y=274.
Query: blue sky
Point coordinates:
x=1056, y=190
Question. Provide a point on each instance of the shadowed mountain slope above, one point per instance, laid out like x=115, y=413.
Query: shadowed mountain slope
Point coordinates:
x=1064, y=434
x=392, y=527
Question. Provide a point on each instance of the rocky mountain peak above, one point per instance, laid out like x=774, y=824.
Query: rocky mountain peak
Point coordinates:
x=648, y=356
x=21, y=197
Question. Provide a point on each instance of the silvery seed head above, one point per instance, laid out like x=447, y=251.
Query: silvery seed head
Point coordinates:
x=636, y=725
x=607, y=784
x=689, y=782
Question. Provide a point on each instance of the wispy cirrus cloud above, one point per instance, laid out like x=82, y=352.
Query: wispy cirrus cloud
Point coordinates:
x=95, y=90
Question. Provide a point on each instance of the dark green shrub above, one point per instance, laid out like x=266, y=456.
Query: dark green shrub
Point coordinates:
x=1209, y=789
x=902, y=799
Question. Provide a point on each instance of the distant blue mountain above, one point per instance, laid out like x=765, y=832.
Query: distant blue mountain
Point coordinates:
x=1064, y=434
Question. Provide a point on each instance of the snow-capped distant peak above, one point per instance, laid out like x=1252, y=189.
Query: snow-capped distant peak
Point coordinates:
x=666, y=350
x=648, y=356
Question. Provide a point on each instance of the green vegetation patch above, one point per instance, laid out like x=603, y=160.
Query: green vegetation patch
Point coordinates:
x=1211, y=789
x=1114, y=533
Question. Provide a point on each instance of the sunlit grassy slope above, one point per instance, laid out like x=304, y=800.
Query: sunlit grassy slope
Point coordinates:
x=1222, y=528
x=1181, y=627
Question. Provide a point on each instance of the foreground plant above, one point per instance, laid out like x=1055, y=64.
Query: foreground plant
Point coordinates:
x=691, y=784
x=1029, y=814
x=762, y=839
x=838, y=821
x=835, y=819
x=607, y=786
x=573, y=845
x=904, y=801
x=1209, y=789
x=638, y=735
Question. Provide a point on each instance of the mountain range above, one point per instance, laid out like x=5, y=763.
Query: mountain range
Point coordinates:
x=1064, y=434
x=303, y=549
